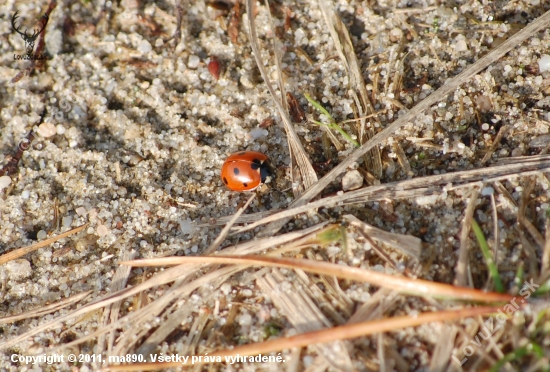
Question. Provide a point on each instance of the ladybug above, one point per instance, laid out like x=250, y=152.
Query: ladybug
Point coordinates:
x=246, y=170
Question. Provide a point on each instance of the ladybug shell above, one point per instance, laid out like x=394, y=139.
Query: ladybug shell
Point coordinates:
x=245, y=170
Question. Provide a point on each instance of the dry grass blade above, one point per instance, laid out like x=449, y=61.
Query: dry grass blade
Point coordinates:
x=418, y=186
x=162, y=278
x=462, y=263
x=526, y=225
x=308, y=175
x=138, y=319
x=401, y=284
x=525, y=200
x=503, y=130
x=406, y=244
x=297, y=152
x=223, y=234
x=111, y=312
x=344, y=47
x=326, y=335
x=31, y=248
x=443, y=350
x=545, y=267
x=256, y=246
x=45, y=309
x=178, y=290
x=432, y=99
x=245, y=218
x=301, y=311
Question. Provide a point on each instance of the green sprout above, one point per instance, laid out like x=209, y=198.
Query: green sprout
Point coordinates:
x=272, y=329
x=329, y=236
x=332, y=123
x=518, y=279
x=493, y=271
x=543, y=289
x=435, y=24
x=530, y=348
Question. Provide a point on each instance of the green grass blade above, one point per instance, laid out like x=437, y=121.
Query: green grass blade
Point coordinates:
x=493, y=271
x=332, y=123
x=321, y=109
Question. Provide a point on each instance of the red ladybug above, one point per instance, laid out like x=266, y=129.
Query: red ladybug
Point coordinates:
x=246, y=170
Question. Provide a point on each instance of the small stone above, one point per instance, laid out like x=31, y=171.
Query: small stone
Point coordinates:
x=245, y=320
x=395, y=35
x=517, y=152
x=257, y=133
x=102, y=230
x=145, y=47
x=5, y=181
x=81, y=211
x=67, y=221
x=484, y=103
x=544, y=63
x=47, y=130
x=225, y=288
x=193, y=61
x=486, y=191
x=187, y=227
x=41, y=235
x=18, y=269
x=537, y=142
x=214, y=67
x=352, y=180
x=461, y=46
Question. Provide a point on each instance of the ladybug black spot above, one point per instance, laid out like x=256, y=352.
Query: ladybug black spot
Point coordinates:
x=245, y=184
x=236, y=171
x=256, y=164
x=225, y=180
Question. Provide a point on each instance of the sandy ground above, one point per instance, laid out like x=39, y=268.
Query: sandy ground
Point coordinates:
x=134, y=131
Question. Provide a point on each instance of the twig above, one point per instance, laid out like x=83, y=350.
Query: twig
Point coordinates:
x=31, y=248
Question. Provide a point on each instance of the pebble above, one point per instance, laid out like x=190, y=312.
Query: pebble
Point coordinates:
x=145, y=47
x=5, y=181
x=352, y=180
x=484, y=103
x=18, y=269
x=540, y=141
x=186, y=227
x=395, y=35
x=460, y=44
x=544, y=63
x=257, y=133
x=102, y=230
x=193, y=61
x=245, y=320
x=47, y=129
x=486, y=191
